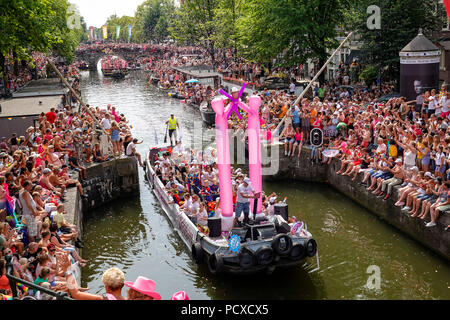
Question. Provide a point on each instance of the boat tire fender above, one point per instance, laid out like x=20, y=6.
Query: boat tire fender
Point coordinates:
x=281, y=248
x=265, y=255
x=215, y=263
x=311, y=247
x=197, y=252
x=298, y=252
x=246, y=259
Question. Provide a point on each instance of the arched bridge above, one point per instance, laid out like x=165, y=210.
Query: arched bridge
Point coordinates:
x=92, y=53
x=93, y=57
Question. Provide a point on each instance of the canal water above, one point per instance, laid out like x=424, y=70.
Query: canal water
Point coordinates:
x=354, y=245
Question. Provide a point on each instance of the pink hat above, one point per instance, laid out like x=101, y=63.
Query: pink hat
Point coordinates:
x=180, y=295
x=145, y=286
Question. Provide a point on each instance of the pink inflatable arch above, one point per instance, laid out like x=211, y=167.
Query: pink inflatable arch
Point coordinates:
x=223, y=154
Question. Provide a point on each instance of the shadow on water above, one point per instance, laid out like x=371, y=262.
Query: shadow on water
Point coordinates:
x=283, y=284
x=110, y=233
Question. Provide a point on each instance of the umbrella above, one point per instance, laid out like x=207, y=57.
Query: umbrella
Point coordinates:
x=342, y=125
x=192, y=81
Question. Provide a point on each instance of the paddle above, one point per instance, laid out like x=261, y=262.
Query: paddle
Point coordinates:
x=165, y=137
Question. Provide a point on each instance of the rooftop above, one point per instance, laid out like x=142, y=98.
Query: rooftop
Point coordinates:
x=42, y=87
x=419, y=44
x=28, y=106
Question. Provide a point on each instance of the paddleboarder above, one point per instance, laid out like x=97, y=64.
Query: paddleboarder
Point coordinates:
x=172, y=125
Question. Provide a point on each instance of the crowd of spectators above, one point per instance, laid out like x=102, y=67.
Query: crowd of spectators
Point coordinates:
x=393, y=142
x=36, y=170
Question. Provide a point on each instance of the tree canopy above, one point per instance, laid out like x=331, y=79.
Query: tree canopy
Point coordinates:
x=113, y=21
x=36, y=25
x=400, y=23
x=153, y=18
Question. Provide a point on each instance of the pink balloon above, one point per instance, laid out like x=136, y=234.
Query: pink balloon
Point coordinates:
x=223, y=155
x=254, y=149
x=223, y=163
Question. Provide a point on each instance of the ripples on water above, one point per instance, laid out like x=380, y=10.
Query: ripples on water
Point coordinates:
x=136, y=236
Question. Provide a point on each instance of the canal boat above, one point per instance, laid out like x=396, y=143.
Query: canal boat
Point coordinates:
x=208, y=114
x=115, y=73
x=120, y=73
x=107, y=72
x=260, y=247
x=164, y=87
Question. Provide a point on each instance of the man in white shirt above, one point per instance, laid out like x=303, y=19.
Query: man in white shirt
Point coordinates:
x=292, y=87
x=106, y=123
x=432, y=103
x=192, y=210
x=131, y=150
x=243, y=197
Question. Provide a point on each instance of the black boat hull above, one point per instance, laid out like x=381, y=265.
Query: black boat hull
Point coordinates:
x=208, y=117
x=259, y=250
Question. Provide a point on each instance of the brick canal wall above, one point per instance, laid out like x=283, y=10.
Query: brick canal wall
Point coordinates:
x=110, y=180
x=435, y=238
x=105, y=182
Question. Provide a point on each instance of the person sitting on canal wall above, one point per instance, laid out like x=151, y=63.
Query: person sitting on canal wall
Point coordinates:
x=45, y=182
x=75, y=165
x=131, y=150
x=98, y=154
x=61, y=222
x=439, y=207
x=67, y=181
x=55, y=178
x=439, y=195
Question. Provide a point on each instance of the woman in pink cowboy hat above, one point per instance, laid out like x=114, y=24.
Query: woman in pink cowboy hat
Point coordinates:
x=142, y=289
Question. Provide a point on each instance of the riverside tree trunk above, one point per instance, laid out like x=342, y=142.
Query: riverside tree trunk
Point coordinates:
x=16, y=64
x=4, y=74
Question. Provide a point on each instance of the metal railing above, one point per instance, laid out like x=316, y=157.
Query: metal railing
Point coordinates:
x=13, y=280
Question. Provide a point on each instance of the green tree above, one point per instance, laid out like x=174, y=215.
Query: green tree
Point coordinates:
x=27, y=25
x=400, y=22
x=195, y=23
x=292, y=31
x=153, y=18
x=113, y=21
x=66, y=34
x=227, y=13
x=35, y=25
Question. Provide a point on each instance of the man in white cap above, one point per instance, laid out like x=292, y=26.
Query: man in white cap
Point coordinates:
x=235, y=92
x=271, y=206
x=243, y=196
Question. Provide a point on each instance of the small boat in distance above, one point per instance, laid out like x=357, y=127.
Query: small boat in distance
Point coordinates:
x=114, y=67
